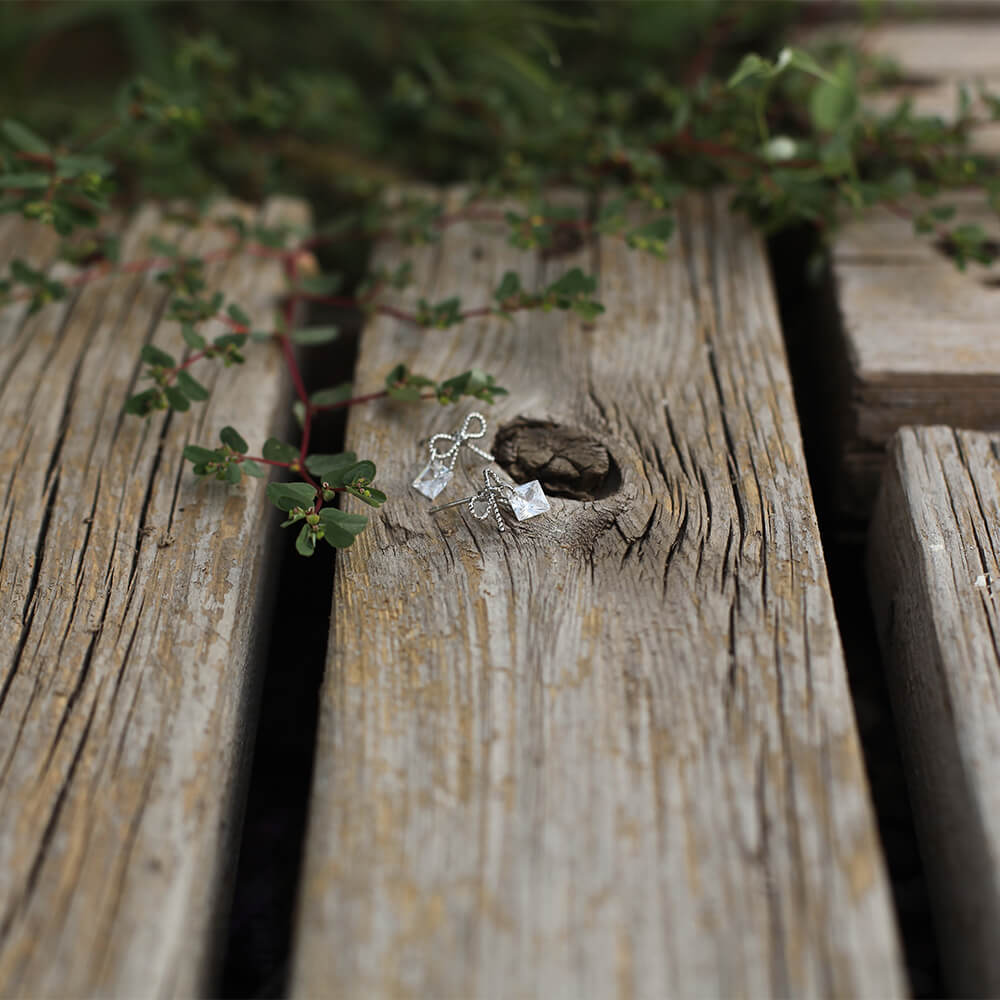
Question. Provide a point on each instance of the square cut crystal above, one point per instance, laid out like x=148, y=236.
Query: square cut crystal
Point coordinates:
x=528, y=500
x=433, y=479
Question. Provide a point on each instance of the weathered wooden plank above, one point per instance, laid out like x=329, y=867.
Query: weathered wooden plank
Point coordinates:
x=610, y=752
x=916, y=342
x=131, y=603
x=937, y=47
x=934, y=567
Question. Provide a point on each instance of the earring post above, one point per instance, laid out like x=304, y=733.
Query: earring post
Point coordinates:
x=445, y=506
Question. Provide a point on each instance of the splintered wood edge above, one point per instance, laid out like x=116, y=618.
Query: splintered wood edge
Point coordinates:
x=132, y=607
x=612, y=751
x=935, y=586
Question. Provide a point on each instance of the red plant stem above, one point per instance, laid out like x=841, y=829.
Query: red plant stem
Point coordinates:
x=486, y=311
x=286, y=343
x=400, y=314
x=287, y=465
x=381, y=308
x=351, y=402
x=703, y=57
x=288, y=350
x=43, y=159
x=106, y=269
x=265, y=461
x=188, y=361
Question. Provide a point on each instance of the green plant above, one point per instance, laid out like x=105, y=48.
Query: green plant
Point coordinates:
x=512, y=98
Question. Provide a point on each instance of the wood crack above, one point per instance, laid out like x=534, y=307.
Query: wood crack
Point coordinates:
x=46, y=836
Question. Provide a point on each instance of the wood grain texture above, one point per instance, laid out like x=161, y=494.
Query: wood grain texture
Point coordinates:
x=934, y=569
x=611, y=752
x=131, y=599
x=917, y=342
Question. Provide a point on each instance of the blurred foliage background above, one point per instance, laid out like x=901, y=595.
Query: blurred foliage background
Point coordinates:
x=334, y=100
x=322, y=98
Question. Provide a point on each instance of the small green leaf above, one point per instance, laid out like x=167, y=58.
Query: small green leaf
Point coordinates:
x=299, y=412
x=341, y=528
x=831, y=104
x=803, y=61
x=73, y=166
x=278, y=451
x=230, y=339
x=23, y=138
x=313, y=335
x=321, y=284
x=474, y=383
x=261, y=336
x=331, y=468
x=192, y=337
x=176, y=398
x=273, y=236
x=25, y=181
x=944, y=213
x=142, y=403
x=237, y=315
x=251, y=468
x=154, y=356
x=285, y=496
x=651, y=236
x=305, y=544
x=191, y=387
x=230, y=437
x=751, y=67
x=405, y=393
x=200, y=456
x=588, y=310
x=364, y=471
x=573, y=283
x=160, y=246
x=398, y=374
x=330, y=397
x=510, y=285
x=368, y=495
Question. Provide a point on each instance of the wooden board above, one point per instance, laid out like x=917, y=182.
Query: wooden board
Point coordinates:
x=934, y=567
x=132, y=602
x=938, y=48
x=916, y=340
x=609, y=753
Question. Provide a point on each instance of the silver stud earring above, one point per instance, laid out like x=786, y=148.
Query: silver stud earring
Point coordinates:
x=526, y=500
x=437, y=473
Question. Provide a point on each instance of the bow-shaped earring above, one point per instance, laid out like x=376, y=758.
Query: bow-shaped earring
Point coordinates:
x=526, y=500
x=437, y=473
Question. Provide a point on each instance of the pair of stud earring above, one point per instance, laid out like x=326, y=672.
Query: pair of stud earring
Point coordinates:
x=525, y=501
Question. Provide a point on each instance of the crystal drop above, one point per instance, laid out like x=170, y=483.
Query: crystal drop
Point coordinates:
x=528, y=500
x=433, y=479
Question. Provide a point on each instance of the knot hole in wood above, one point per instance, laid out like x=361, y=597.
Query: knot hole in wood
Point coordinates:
x=567, y=461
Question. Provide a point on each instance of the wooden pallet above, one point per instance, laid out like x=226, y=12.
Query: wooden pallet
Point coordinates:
x=610, y=752
x=132, y=605
x=934, y=563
